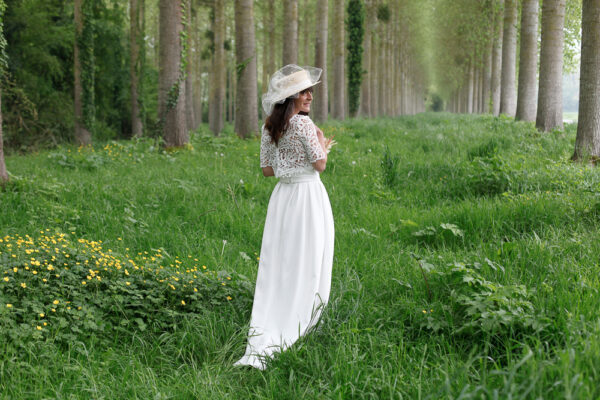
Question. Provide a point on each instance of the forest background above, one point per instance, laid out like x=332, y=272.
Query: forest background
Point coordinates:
x=431, y=60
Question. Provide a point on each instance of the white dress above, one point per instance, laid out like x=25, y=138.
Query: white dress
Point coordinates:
x=296, y=257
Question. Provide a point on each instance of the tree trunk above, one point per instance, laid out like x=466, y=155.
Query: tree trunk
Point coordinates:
x=527, y=97
x=246, y=120
x=82, y=112
x=290, y=32
x=549, y=112
x=374, y=73
x=497, y=56
x=470, y=88
x=338, y=101
x=587, y=143
x=3, y=171
x=320, y=94
x=217, y=79
x=136, y=42
x=190, y=116
x=508, y=93
x=306, y=35
x=365, y=94
x=487, y=79
x=171, y=82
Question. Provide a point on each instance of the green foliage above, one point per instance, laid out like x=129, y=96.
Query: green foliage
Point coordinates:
x=389, y=168
x=469, y=304
x=55, y=287
x=383, y=13
x=356, y=30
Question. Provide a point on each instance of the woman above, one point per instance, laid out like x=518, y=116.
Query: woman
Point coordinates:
x=296, y=257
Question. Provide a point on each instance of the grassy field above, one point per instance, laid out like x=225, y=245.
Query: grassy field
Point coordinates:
x=466, y=266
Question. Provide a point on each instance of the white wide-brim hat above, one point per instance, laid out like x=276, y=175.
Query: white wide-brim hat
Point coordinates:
x=288, y=82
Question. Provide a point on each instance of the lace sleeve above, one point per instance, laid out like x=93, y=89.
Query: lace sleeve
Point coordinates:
x=308, y=135
x=267, y=149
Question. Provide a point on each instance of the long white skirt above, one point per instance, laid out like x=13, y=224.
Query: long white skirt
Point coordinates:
x=294, y=271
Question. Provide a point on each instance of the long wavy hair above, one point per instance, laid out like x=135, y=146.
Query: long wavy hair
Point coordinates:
x=277, y=123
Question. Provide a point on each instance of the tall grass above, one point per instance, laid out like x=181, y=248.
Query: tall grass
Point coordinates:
x=412, y=197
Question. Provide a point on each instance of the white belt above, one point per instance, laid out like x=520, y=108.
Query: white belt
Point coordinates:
x=309, y=177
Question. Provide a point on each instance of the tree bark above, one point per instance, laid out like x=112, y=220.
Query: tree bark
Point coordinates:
x=527, y=95
x=374, y=72
x=497, y=57
x=306, y=35
x=587, y=143
x=171, y=83
x=3, y=171
x=190, y=115
x=290, y=32
x=246, y=120
x=487, y=78
x=82, y=134
x=365, y=93
x=218, y=71
x=320, y=91
x=549, y=112
x=508, y=92
x=136, y=36
x=339, y=100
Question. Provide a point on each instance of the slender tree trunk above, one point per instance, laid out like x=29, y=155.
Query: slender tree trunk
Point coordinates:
x=487, y=78
x=365, y=93
x=549, y=112
x=306, y=23
x=82, y=113
x=497, y=56
x=374, y=73
x=136, y=37
x=290, y=32
x=171, y=83
x=189, y=87
x=217, y=80
x=508, y=93
x=339, y=100
x=246, y=121
x=3, y=171
x=527, y=97
x=320, y=94
x=587, y=143
x=470, y=88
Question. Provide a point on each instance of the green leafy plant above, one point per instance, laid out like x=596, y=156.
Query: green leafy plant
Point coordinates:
x=389, y=168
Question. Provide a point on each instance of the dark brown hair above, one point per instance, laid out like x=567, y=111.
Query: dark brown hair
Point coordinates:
x=278, y=121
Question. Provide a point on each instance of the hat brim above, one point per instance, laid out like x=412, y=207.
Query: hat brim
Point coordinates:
x=295, y=90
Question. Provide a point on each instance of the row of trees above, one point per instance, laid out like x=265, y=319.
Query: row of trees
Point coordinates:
x=127, y=68
x=479, y=69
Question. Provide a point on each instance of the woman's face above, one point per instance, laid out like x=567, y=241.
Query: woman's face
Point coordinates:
x=302, y=103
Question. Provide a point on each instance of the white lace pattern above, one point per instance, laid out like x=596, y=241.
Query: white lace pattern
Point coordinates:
x=298, y=148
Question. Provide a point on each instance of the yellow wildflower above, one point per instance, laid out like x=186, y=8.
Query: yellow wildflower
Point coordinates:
x=42, y=315
x=182, y=303
x=55, y=302
x=39, y=328
x=6, y=278
x=8, y=305
x=23, y=285
x=128, y=283
x=83, y=282
x=228, y=297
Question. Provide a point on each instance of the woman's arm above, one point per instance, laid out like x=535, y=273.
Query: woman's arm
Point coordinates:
x=268, y=171
x=320, y=165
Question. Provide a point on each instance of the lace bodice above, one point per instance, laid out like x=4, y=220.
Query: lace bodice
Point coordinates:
x=298, y=148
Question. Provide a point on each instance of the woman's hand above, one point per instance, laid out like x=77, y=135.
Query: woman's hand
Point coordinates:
x=323, y=141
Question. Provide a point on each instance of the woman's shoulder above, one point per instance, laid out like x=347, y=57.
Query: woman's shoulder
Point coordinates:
x=300, y=121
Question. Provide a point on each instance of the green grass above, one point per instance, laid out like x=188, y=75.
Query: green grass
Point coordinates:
x=511, y=193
